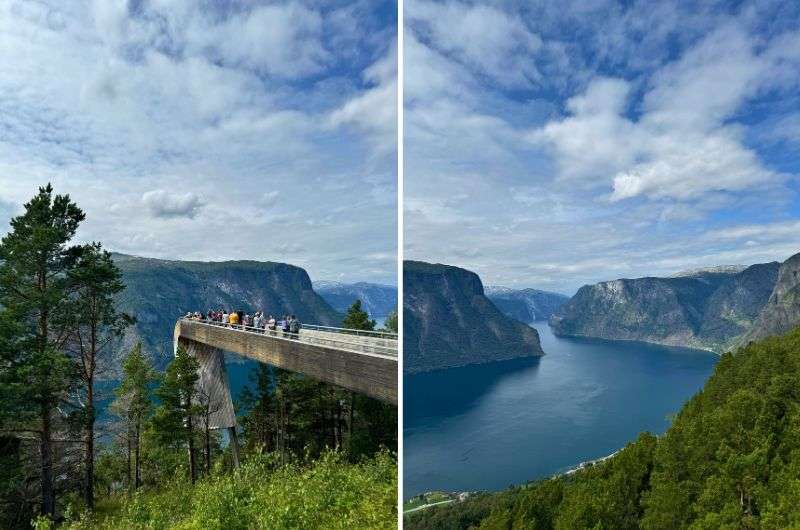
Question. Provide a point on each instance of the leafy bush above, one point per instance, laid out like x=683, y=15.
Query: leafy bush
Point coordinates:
x=327, y=493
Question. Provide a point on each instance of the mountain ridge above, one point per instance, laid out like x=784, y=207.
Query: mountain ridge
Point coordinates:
x=158, y=292
x=377, y=299
x=449, y=322
x=709, y=310
x=526, y=305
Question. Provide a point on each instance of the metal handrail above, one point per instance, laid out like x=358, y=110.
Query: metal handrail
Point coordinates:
x=390, y=335
x=390, y=351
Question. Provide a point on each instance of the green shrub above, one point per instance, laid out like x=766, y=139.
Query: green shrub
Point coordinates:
x=329, y=493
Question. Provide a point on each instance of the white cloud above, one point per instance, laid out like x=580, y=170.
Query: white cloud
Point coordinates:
x=682, y=146
x=282, y=39
x=165, y=204
x=375, y=109
x=484, y=38
x=269, y=198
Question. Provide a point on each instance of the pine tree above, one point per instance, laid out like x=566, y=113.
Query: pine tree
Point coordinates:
x=357, y=318
x=391, y=322
x=259, y=421
x=134, y=403
x=95, y=325
x=174, y=418
x=35, y=261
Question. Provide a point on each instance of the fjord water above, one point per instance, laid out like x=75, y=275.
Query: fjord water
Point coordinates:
x=485, y=427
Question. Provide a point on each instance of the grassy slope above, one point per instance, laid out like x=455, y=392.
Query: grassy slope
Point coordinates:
x=329, y=493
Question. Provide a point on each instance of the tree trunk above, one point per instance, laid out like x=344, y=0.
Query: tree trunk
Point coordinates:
x=128, y=469
x=137, y=472
x=192, y=462
x=234, y=445
x=350, y=420
x=208, y=447
x=338, y=426
x=48, y=492
x=89, y=486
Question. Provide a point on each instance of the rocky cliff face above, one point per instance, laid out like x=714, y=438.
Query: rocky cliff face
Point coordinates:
x=376, y=299
x=448, y=321
x=706, y=309
x=158, y=292
x=525, y=305
x=781, y=313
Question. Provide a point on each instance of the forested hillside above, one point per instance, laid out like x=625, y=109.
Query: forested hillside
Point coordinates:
x=731, y=459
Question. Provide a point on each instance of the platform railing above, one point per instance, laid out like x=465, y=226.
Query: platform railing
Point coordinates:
x=340, y=344
x=359, y=332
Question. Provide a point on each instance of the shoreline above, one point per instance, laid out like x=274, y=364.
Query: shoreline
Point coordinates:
x=604, y=339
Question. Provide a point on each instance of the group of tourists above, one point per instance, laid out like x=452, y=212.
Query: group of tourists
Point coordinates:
x=240, y=319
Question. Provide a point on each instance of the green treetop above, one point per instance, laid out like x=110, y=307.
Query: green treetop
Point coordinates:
x=391, y=322
x=357, y=318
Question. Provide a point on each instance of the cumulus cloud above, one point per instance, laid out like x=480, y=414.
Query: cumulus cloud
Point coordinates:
x=682, y=145
x=488, y=40
x=374, y=110
x=162, y=203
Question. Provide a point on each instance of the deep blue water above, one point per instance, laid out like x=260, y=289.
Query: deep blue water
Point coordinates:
x=485, y=427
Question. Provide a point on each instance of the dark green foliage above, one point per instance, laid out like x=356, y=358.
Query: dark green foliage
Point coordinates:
x=95, y=326
x=293, y=415
x=35, y=263
x=391, y=322
x=357, y=318
x=326, y=493
x=467, y=514
x=134, y=405
x=175, y=419
x=731, y=459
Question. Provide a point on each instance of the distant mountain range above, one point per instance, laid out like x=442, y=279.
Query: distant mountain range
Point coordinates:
x=377, y=299
x=707, y=308
x=449, y=321
x=158, y=292
x=525, y=305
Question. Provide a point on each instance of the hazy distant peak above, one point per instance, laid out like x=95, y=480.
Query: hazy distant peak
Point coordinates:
x=719, y=269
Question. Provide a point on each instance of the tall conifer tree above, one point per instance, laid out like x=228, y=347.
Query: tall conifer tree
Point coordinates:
x=35, y=261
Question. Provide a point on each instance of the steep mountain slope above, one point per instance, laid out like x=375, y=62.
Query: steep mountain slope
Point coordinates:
x=525, y=305
x=158, y=292
x=448, y=321
x=377, y=299
x=782, y=311
x=705, y=309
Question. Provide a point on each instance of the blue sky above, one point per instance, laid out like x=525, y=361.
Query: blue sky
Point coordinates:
x=552, y=144
x=209, y=130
